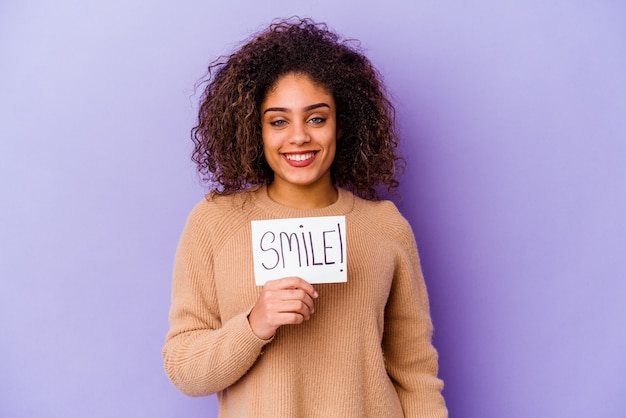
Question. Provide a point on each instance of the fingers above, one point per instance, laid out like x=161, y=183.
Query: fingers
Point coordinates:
x=303, y=309
x=293, y=289
x=284, y=301
x=290, y=295
x=292, y=283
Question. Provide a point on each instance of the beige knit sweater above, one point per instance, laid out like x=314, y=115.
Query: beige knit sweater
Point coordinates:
x=365, y=352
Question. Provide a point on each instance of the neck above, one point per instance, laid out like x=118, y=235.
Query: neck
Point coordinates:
x=303, y=197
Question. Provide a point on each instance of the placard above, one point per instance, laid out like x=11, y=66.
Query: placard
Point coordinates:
x=311, y=248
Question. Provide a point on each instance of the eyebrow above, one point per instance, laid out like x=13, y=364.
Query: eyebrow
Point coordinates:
x=306, y=109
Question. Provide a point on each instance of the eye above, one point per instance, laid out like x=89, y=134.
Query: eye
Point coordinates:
x=317, y=120
x=278, y=123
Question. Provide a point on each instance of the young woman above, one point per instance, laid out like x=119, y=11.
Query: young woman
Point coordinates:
x=296, y=124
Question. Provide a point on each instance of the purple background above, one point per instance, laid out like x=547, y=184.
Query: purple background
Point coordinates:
x=514, y=125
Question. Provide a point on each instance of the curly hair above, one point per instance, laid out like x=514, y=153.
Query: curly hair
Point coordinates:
x=228, y=146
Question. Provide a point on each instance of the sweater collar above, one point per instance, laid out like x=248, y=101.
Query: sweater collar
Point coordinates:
x=342, y=206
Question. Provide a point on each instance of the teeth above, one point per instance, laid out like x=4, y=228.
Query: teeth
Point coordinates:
x=299, y=157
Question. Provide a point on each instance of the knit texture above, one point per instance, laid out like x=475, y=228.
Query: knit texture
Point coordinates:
x=365, y=352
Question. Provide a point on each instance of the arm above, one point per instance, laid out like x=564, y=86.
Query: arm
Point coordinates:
x=202, y=355
x=411, y=359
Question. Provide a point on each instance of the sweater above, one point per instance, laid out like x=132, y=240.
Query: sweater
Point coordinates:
x=365, y=352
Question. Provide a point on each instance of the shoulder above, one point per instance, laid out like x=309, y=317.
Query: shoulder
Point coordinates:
x=384, y=212
x=217, y=215
x=382, y=218
x=215, y=205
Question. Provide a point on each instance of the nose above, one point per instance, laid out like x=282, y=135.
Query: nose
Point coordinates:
x=299, y=135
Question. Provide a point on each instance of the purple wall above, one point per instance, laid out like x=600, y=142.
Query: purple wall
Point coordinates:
x=514, y=122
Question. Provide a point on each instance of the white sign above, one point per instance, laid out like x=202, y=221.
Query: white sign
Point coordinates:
x=311, y=248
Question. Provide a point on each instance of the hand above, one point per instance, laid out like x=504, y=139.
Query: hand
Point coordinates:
x=284, y=301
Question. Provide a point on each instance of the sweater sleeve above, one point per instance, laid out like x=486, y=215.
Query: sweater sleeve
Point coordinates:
x=202, y=355
x=410, y=358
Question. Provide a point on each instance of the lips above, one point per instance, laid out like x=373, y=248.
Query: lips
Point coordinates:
x=299, y=159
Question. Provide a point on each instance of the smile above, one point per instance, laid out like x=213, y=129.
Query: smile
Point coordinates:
x=299, y=157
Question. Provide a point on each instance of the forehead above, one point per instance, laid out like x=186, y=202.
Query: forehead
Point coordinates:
x=297, y=88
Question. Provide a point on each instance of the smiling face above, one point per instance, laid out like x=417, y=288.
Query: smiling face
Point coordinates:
x=299, y=130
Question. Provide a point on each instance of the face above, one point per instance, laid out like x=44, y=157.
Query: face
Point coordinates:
x=299, y=130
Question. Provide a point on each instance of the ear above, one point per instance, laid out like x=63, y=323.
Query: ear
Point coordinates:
x=339, y=134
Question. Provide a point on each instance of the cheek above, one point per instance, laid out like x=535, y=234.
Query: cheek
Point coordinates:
x=266, y=142
x=270, y=146
x=332, y=142
x=333, y=150
x=271, y=139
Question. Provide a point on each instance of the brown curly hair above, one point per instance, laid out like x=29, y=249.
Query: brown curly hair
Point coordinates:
x=228, y=146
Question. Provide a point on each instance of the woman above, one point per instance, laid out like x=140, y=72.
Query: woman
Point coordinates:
x=295, y=124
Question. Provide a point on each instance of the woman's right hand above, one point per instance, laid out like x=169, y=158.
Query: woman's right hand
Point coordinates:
x=284, y=301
